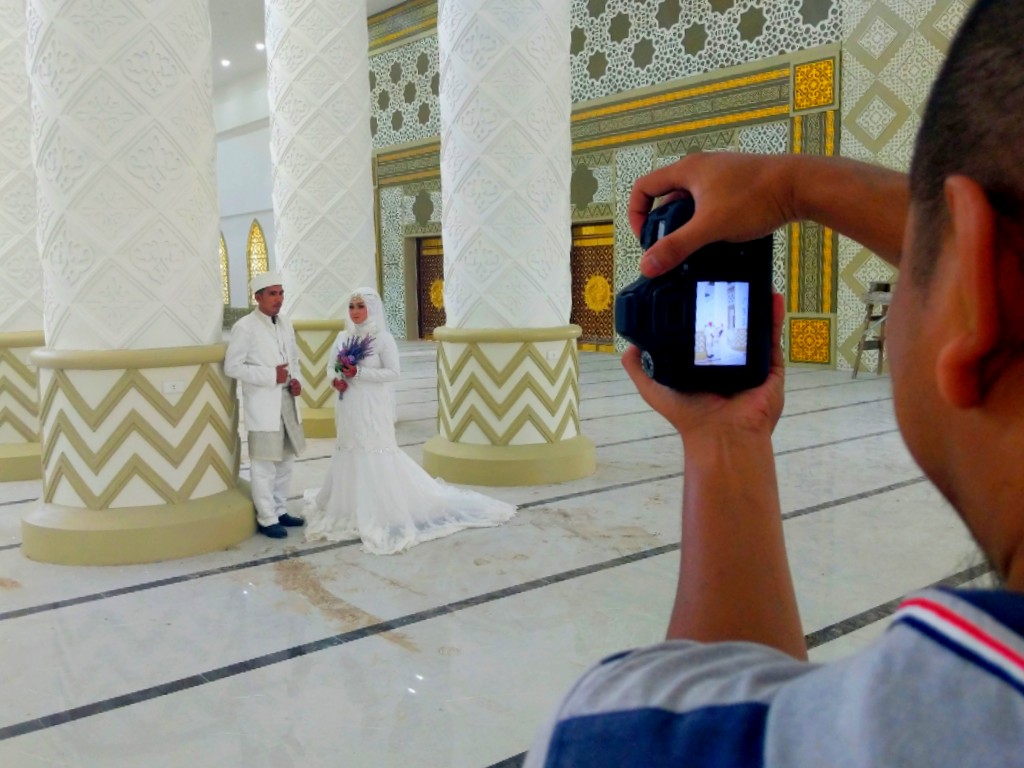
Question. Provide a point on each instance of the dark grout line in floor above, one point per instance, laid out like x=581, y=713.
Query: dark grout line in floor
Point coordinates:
x=814, y=639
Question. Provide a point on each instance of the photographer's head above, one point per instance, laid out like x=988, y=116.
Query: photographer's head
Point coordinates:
x=973, y=126
x=956, y=326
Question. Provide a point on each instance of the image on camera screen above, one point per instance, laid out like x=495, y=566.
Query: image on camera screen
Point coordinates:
x=720, y=327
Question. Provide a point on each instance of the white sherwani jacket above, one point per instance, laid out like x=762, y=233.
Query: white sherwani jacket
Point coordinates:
x=253, y=354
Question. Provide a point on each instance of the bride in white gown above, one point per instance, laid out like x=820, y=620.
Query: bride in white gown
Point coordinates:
x=373, y=490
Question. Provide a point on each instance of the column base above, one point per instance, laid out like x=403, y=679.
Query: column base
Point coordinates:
x=20, y=461
x=127, y=535
x=318, y=422
x=535, y=464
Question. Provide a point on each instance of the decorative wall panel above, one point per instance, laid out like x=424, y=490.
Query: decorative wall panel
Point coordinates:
x=620, y=45
x=618, y=140
x=892, y=51
x=19, y=395
x=392, y=249
x=404, y=87
x=114, y=439
x=409, y=19
x=508, y=393
x=617, y=46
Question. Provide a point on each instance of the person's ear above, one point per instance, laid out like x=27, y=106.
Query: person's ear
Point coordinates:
x=973, y=322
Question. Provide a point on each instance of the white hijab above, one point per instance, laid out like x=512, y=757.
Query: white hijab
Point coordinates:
x=376, y=321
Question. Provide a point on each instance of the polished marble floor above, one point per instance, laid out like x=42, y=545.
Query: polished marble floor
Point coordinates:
x=276, y=654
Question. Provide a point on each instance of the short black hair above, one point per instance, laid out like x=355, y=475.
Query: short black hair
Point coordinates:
x=973, y=125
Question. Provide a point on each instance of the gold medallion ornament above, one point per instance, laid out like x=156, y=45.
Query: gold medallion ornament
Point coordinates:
x=437, y=294
x=597, y=293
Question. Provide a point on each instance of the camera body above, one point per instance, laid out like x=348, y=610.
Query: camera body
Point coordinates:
x=705, y=325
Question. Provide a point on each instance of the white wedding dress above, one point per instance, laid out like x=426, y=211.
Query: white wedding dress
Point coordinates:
x=373, y=490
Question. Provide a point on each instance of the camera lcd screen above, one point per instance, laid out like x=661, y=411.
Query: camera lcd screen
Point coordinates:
x=722, y=311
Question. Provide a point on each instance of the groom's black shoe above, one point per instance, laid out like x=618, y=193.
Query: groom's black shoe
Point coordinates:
x=291, y=521
x=275, y=531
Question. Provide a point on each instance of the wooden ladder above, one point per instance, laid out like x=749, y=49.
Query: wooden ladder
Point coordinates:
x=872, y=332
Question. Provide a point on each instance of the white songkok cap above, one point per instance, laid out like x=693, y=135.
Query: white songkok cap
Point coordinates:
x=265, y=280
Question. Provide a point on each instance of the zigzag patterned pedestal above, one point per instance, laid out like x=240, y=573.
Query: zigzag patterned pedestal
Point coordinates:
x=140, y=458
x=19, y=407
x=508, y=408
x=315, y=339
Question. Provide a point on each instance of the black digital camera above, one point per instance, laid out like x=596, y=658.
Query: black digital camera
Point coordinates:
x=706, y=324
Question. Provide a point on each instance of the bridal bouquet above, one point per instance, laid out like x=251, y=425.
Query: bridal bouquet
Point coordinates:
x=352, y=352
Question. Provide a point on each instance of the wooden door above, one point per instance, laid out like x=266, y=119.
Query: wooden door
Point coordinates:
x=430, y=285
x=593, y=296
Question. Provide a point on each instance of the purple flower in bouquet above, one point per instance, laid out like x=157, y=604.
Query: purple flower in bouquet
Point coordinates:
x=352, y=352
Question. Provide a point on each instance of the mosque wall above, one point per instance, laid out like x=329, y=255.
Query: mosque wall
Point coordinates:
x=886, y=54
x=891, y=53
x=855, y=77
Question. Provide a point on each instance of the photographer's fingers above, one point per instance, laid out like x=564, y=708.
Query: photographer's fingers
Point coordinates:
x=673, y=249
x=665, y=182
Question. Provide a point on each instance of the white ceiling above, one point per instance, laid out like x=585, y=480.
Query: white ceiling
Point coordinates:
x=238, y=26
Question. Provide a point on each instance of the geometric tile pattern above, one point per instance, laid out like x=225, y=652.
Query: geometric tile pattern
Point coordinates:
x=315, y=340
x=814, y=85
x=404, y=84
x=810, y=339
x=620, y=45
x=812, y=266
x=688, y=111
x=601, y=194
x=630, y=164
x=617, y=46
x=515, y=393
x=19, y=396
x=758, y=102
x=113, y=438
x=891, y=53
x=413, y=17
x=392, y=255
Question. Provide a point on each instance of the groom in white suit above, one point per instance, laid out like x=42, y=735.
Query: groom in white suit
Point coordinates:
x=262, y=355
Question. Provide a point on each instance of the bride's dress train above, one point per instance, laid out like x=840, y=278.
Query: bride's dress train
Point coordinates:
x=373, y=490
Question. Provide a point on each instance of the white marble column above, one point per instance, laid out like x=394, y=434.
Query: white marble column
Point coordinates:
x=507, y=365
x=138, y=421
x=318, y=83
x=21, y=293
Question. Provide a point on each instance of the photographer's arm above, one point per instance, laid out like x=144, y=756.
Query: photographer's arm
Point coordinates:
x=734, y=580
x=741, y=197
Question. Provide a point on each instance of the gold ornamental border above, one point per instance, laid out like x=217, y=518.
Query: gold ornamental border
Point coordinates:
x=127, y=359
x=21, y=339
x=684, y=127
x=318, y=325
x=506, y=335
x=683, y=93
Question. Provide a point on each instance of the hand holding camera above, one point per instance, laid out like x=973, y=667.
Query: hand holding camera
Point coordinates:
x=706, y=324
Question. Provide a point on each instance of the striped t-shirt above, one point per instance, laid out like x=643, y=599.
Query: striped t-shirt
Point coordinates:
x=944, y=687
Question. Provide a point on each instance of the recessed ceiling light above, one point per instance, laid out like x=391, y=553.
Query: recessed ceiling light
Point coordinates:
x=260, y=46
x=225, y=62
